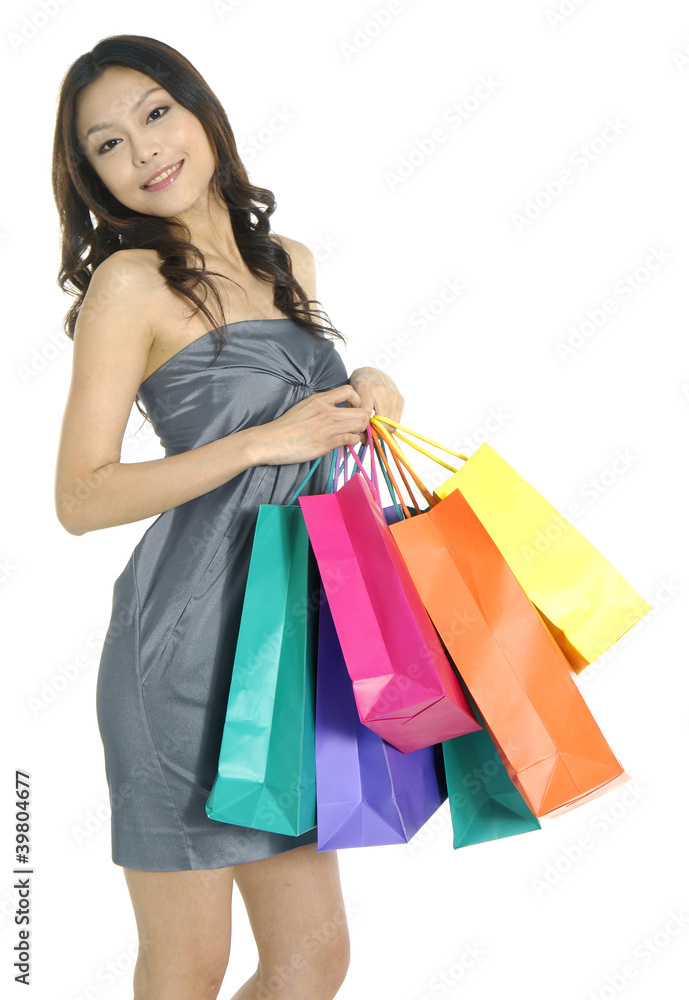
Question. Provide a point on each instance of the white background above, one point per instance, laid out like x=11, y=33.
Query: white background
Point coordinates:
x=363, y=97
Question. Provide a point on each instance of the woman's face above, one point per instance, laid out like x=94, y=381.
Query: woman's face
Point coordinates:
x=131, y=136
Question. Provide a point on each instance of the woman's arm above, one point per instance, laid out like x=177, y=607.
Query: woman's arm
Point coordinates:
x=113, y=335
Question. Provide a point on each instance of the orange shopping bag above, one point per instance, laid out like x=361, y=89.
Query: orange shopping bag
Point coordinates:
x=586, y=603
x=551, y=745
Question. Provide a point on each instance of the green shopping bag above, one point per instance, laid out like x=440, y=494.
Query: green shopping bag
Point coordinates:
x=484, y=802
x=266, y=776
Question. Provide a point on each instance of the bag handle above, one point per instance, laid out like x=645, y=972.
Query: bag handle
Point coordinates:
x=338, y=465
x=378, y=451
x=311, y=471
x=397, y=455
x=342, y=466
x=393, y=486
x=376, y=420
x=394, y=454
x=373, y=479
x=334, y=473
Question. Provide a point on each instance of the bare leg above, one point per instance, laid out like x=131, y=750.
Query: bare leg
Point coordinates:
x=184, y=924
x=296, y=910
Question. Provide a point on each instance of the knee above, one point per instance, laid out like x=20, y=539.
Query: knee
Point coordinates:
x=315, y=971
x=338, y=966
x=189, y=977
x=339, y=960
x=206, y=983
x=327, y=960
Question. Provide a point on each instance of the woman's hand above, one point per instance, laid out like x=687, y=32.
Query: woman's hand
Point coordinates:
x=311, y=428
x=377, y=394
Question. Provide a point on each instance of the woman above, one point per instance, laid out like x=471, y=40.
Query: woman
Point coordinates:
x=157, y=213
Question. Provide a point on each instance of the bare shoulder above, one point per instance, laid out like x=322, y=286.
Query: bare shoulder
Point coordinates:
x=127, y=288
x=117, y=318
x=126, y=274
x=303, y=263
x=299, y=252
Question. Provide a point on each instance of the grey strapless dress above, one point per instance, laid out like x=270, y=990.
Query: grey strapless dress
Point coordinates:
x=165, y=669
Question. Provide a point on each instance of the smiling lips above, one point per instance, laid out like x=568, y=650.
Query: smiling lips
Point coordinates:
x=164, y=179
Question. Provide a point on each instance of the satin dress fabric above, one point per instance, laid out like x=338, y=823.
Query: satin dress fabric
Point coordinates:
x=166, y=664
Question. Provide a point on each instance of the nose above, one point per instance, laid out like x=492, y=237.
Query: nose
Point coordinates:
x=144, y=149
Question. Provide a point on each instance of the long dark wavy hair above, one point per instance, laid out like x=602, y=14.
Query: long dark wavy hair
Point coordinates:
x=94, y=224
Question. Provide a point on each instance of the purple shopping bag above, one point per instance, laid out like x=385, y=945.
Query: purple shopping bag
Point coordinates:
x=367, y=792
x=404, y=685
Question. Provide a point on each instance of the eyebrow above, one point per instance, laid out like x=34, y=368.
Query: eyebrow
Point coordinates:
x=104, y=125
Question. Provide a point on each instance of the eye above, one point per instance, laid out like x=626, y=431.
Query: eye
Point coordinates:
x=164, y=109
x=156, y=110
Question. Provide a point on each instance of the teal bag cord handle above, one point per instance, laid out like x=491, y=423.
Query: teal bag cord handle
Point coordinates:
x=330, y=487
x=332, y=475
x=338, y=464
x=311, y=472
x=391, y=489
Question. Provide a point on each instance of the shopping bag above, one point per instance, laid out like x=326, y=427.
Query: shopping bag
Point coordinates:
x=516, y=673
x=405, y=687
x=485, y=804
x=367, y=792
x=584, y=600
x=266, y=776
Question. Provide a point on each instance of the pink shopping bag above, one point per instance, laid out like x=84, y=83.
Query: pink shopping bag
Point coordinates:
x=405, y=687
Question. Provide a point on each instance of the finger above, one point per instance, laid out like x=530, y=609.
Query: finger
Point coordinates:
x=367, y=400
x=351, y=415
x=357, y=439
x=341, y=393
x=384, y=415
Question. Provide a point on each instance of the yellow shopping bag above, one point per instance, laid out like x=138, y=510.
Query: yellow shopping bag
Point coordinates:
x=585, y=602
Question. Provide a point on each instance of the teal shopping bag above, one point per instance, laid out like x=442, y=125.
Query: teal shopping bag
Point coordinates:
x=266, y=776
x=484, y=802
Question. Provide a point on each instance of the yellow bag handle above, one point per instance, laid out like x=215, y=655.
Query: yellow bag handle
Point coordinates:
x=377, y=420
x=397, y=453
x=377, y=438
